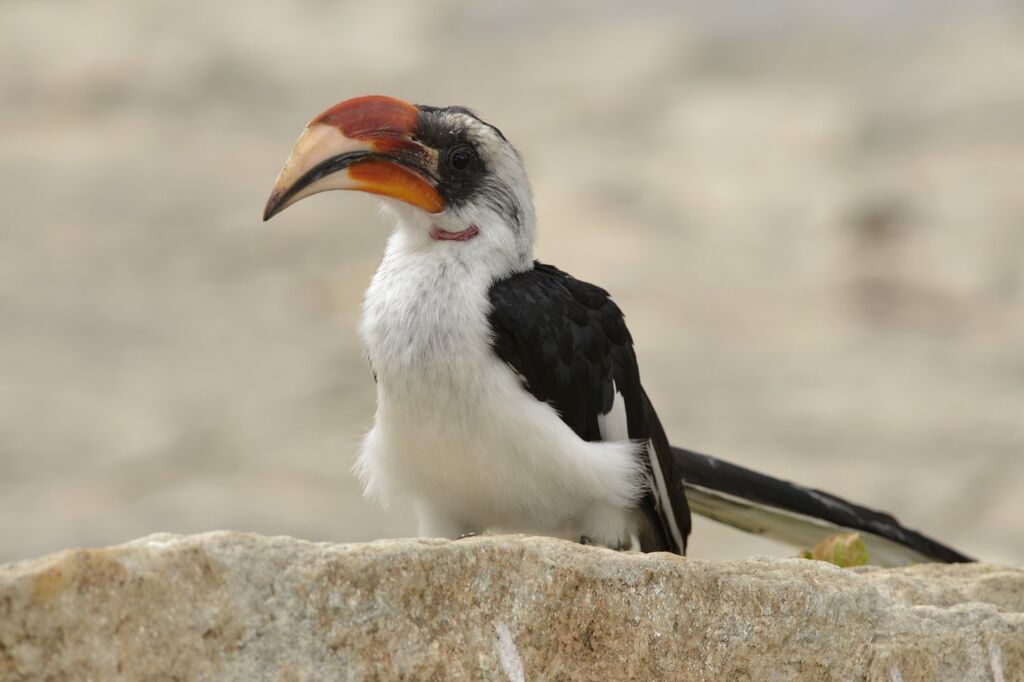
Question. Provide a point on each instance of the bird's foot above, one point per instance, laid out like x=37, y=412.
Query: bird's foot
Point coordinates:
x=585, y=540
x=468, y=534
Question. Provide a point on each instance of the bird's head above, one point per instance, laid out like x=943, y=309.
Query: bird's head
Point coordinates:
x=454, y=181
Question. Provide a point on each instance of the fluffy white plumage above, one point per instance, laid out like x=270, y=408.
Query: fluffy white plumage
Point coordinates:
x=455, y=430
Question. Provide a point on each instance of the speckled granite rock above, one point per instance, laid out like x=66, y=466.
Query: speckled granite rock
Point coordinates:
x=235, y=606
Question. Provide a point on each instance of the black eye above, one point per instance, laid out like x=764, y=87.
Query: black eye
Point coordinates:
x=462, y=158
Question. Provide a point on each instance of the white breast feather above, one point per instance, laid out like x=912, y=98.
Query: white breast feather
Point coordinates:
x=456, y=431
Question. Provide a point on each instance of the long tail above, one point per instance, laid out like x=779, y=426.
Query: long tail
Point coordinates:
x=797, y=515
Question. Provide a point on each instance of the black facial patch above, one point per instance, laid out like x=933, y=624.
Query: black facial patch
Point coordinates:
x=460, y=170
x=463, y=173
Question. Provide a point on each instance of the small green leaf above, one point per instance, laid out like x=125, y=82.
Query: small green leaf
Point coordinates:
x=843, y=550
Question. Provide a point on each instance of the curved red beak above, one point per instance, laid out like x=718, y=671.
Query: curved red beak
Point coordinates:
x=366, y=144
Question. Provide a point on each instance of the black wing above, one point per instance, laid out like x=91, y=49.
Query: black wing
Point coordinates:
x=569, y=342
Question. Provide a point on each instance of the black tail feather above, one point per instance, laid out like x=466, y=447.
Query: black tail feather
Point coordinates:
x=714, y=474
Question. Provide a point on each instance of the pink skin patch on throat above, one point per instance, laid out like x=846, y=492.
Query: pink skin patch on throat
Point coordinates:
x=463, y=236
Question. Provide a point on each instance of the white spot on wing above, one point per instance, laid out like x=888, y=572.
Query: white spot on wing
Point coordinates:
x=613, y=425
x=665, y=502
x=508, y=654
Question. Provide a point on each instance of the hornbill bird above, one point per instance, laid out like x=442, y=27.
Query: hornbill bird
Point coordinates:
x=508, y=394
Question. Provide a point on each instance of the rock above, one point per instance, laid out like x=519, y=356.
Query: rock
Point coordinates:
x=234, y=606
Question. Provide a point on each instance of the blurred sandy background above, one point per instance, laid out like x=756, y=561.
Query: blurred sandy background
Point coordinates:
x=812, y=214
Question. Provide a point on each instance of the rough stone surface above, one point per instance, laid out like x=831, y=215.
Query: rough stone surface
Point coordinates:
x=236, y=606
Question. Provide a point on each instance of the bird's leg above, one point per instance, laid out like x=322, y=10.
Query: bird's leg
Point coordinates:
x=585, y=540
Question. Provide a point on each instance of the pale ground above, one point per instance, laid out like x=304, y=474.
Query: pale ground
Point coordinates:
x=813, y=219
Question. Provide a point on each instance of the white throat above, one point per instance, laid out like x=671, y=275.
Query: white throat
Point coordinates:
x=426, y=308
